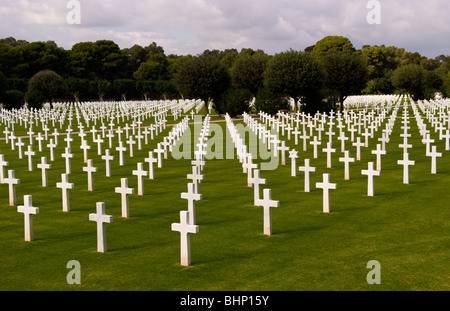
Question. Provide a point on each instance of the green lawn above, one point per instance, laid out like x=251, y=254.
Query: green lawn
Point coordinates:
x=404, y=227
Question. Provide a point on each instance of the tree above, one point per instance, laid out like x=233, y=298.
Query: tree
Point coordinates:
x=124, y=86
x=145, y=87
x=165, y=88
x=345, y=74
x=234, y=102
x=293, y=73
x=247, y=72
x=332, y=44
x=203, y=77
x=100, y=87
x=34, y=98
x=270, y=102
x=49, y=83
x=409, y=78
x=3, y=86
x=76, y=87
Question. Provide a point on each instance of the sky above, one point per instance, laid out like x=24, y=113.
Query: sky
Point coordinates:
x=191, y=26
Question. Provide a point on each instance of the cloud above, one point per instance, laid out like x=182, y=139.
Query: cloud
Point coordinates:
x=192, y=26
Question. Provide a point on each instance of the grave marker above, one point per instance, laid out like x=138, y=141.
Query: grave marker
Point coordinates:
x=185, y=228
x=101, y=219
x=28, y=211
x=267, y=203
x=326, y=186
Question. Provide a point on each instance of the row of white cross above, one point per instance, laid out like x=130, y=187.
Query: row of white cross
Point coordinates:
x=100, y=217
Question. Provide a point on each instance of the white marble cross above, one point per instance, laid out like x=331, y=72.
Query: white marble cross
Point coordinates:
x=329, y=151
x=434, y=154
x=185, y=228
x=370, y=172
x=64, y=185
x=12, y=182
x=52, y=147
x=108, y=158
x=130, y=143
x=326, y=186
x=44, y=167
x=28, y=210
x=196, y=177
x=99, y=142
x=378, y=153
x=293, y=155
x=191, y=196
x=140, y=173
x=20, y=144
x=151, y=160
x=283, y=150
x=267, y=203
x=159, y=151
x=347, y=160
x=67, y=155
x=85, y=147
x=406, y=163
x=3, y=164
x=121, y=150
x=256, y=181
x=30, y=153
x=124, y=192
x=101, y=219
x=358, y=146
x=307, y=169
x=90, y=169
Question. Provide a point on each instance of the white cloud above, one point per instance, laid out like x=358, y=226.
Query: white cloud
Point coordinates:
x=192, y=26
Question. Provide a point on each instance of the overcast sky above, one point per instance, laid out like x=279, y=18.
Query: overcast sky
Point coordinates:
x=192, y=26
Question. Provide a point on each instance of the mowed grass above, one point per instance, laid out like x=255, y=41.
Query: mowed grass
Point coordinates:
x=404, y=227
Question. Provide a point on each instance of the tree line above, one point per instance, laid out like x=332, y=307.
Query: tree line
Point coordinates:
x=319, y=77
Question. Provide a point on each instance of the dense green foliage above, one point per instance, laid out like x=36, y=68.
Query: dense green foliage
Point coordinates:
x=323, y=73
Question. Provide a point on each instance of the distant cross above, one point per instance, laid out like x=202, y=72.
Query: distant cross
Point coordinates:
x=90, y=169
x=347, y=160
x=159, y=151
x=151, y=160
x=267, y=203
x=329, y=151
x=191, y=196
x=307, y=169
x=296, y=132
x=293, y=155
x=108, y=158
x=185, y=228
x=99, y=142
x=64, y=185
x=40, y=139
x=44, y=167
x=85, y=147
x=370, y=172
x=326, y=186
x=196, y=177
x=130, y=143
x=121, y=150
x=52, y=147
x=358, y=146
x=283, y=150
x=20, y=144
x=140, y=173
x=67, y=155
x=378, y=153
x=28, y=211
x=315, y=143
x=124, y=191
x=30, y=153
x=101, y=219
x=12, y=182
x=256, y=181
